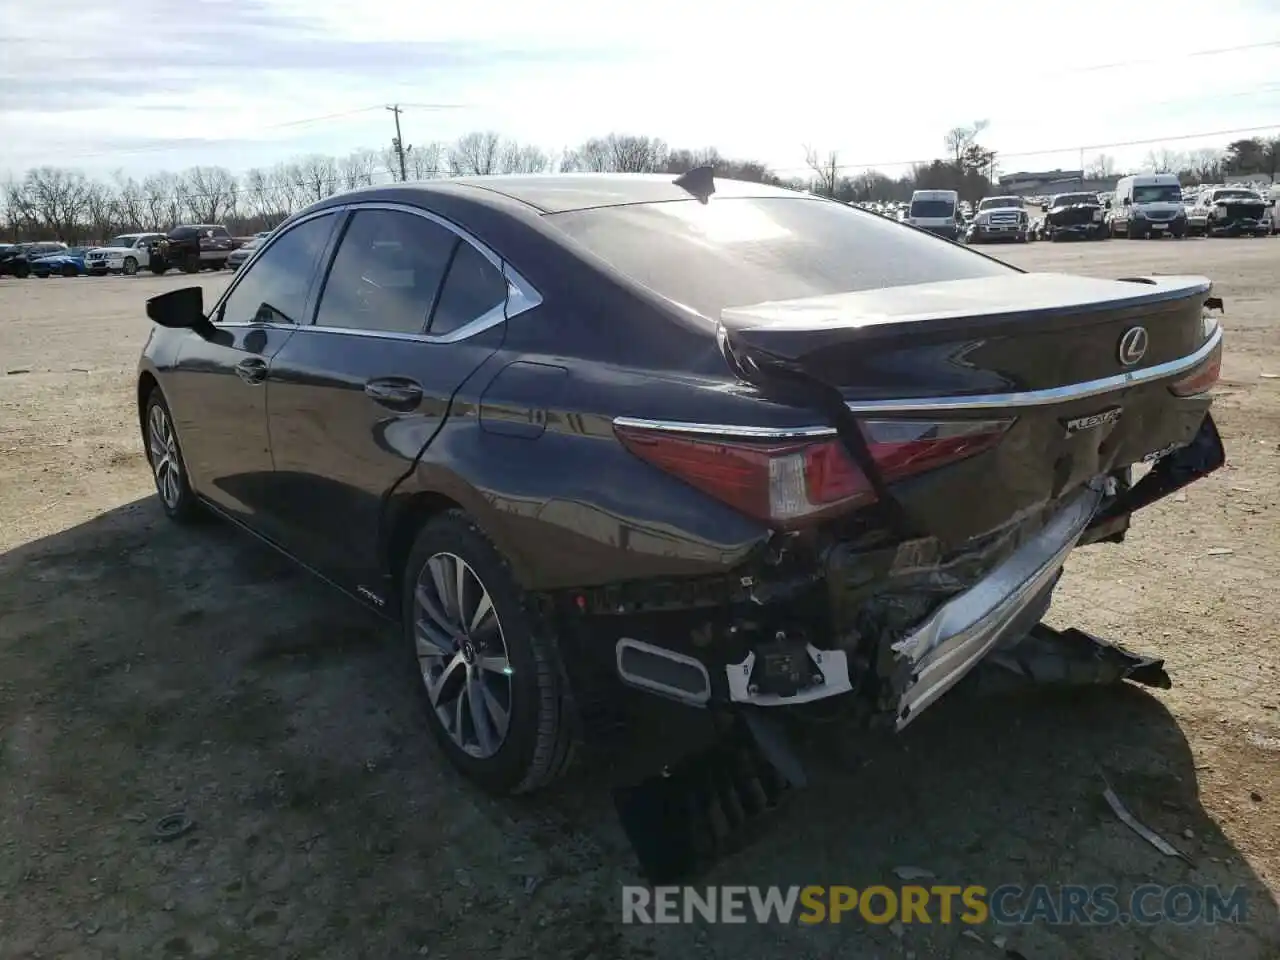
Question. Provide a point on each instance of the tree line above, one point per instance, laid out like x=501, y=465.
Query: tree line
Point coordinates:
x=52, y=202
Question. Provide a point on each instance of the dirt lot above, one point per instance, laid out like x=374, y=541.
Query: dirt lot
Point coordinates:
x=146, y=669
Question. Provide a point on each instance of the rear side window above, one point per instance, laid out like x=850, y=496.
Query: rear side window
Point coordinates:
x=737, y=251
x=386, y=274
x=473, y=287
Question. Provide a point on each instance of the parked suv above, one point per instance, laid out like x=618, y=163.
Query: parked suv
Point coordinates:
x=192, y=247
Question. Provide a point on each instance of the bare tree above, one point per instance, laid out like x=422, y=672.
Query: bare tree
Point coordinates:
x=475, y=154
x=1101, y=167
x=523, y=158
x=212, y=193
x=101, y=210
x=826, y=171
x=289, y=188
x=960, y=139
x=618, y=153
x=358, y=169
x=57, y=198
x=319, y=176
x=1164, y=160
x=425, y=161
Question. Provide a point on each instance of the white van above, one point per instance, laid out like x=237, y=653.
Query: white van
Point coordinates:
x=937, y=211
x=1148, y=205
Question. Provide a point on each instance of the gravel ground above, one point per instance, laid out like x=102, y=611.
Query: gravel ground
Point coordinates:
x=146, y=669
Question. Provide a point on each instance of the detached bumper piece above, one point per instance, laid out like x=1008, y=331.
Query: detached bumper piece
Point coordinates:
x=710, y=805
x=1074, y=658
x=1008, y=601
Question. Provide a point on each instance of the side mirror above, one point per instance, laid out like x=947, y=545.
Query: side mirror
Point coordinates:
x=1128, y=201
x=1044, y=208
x=1108, y=204
x=179, y=309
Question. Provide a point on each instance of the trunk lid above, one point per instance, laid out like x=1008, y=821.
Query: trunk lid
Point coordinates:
x=1079, y=369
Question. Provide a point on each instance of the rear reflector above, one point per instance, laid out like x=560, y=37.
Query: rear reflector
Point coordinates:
x=1202, y=378
x=788, y=484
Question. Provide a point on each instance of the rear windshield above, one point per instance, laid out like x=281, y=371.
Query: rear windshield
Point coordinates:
x=739, y=251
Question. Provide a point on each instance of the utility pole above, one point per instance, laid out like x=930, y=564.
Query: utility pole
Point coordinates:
x=398, y=144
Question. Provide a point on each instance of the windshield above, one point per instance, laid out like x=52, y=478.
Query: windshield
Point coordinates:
x=1236, y=195
x=933, y=208
x=1157, y=193
x=1069, y=198
x=739, y=251
x=992, y=203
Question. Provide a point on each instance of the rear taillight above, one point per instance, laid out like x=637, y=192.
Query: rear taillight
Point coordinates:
x=787, y=484
x=1202, y=378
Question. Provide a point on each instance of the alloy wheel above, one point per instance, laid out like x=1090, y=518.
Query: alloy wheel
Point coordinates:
x=462, y=655
x=165, y=462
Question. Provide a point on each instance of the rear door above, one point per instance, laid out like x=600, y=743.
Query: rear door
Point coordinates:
x=217, y=388
x=409, y=310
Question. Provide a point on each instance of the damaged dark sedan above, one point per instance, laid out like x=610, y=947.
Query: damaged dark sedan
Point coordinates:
x=1075, y=215
x=691, y=444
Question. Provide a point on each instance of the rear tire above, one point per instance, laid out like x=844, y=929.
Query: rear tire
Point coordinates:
x=509, y=730
x=168, y=469
x=191, y=264
x=158, y=267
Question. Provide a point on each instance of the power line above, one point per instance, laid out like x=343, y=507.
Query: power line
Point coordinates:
x=1120, y=64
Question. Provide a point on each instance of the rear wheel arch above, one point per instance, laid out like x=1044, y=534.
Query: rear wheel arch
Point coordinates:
x=147, y=384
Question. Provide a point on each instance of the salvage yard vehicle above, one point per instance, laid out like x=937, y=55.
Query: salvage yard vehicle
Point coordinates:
x=1235, y=212
x=1073, y=215
x=237, y=257
x=1148, y=205
x=594, y=456
x=67, y=263
x=937, y=211
x=1000, y=218
x=126, y=254
x=16, y=259
x=194, y=247
x=1197, y=215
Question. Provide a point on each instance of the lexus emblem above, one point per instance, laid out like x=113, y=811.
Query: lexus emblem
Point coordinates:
x=1133, y=346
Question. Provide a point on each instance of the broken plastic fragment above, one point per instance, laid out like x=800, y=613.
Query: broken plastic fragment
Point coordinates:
x=1145, y=832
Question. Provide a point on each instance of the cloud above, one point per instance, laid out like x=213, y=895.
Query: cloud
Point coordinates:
x=218, y=81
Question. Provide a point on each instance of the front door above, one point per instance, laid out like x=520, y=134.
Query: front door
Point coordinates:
x=355, y=398
x=217, y=389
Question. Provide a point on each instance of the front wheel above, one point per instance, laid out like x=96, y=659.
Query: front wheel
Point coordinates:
x=191, y=264
x=167, y=466
x=489, y=674
x=130, y=267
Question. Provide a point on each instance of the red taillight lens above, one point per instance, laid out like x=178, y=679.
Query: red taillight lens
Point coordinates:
x=1202, y=378
x=788, y=484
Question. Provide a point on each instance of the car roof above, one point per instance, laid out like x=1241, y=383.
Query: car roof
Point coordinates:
x=562, y=192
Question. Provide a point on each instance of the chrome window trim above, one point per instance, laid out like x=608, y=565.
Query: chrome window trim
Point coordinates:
x=522, y=296
x=993, y=401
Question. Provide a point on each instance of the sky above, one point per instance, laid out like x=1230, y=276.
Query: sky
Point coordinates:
x=167, y=84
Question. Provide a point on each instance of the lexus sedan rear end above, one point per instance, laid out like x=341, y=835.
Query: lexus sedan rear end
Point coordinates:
x=738, y=449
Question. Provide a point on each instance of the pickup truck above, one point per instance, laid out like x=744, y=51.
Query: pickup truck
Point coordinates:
x=194, y=247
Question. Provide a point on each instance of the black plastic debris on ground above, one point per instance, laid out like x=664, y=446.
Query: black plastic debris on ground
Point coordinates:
x=703, y=808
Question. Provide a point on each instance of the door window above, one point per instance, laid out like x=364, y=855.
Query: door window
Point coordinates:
x=387, y=273
x=275, y=287
x=473, y=287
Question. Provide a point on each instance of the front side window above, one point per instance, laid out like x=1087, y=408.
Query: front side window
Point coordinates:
x=275, y=287
x=387, y=273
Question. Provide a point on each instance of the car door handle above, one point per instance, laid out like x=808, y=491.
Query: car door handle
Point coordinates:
x=394, y=392
x=252, y=370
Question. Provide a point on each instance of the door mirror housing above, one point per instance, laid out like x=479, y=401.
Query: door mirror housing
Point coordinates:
x=1044, y=208
x=1128, y=201
x=181, y=309
x=1108, y=204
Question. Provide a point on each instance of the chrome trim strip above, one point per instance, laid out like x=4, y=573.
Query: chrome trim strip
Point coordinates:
x=1038, y=398
x=522, y=296
x=725, y=429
